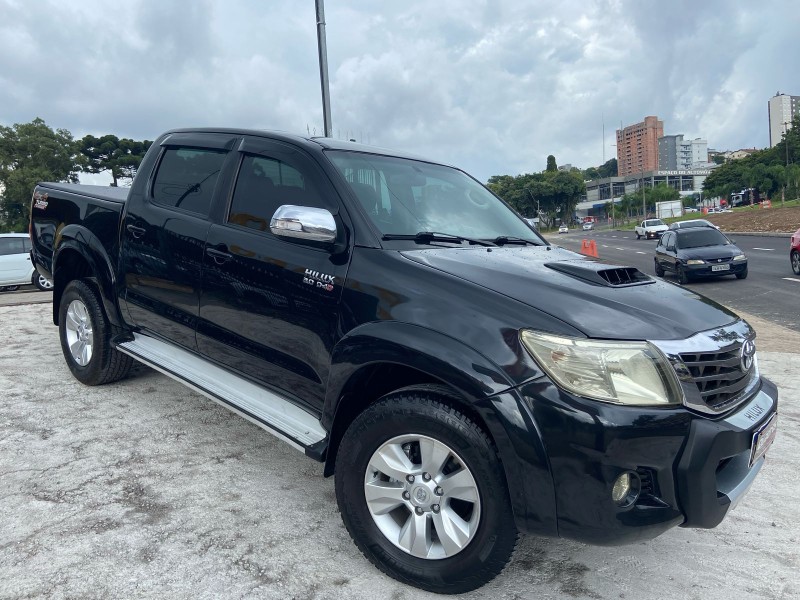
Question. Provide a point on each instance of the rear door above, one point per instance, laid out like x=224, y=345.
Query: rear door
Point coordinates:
x=269, y=306
x=164, y=234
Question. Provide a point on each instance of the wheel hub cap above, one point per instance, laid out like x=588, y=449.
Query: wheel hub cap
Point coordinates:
x=422, y=496
x=78, y=328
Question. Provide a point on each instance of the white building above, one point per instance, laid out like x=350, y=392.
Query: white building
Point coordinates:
x=677, y=154
x=782, y=108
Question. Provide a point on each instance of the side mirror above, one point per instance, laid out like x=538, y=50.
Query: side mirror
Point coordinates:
x=304, y=222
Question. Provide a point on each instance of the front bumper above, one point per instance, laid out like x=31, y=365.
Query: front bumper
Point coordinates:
x=690, y=469
x=706, y=270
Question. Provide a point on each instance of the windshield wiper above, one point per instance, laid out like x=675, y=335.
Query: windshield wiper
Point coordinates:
x=510, y=239
x=424, y=237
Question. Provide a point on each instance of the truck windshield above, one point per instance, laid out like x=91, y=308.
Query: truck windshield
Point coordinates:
x=653, y=223
x=406, y=197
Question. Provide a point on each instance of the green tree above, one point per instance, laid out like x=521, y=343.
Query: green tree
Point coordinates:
x=551, y=164
x=30, y=153
x=608, y=168
x=120, y=157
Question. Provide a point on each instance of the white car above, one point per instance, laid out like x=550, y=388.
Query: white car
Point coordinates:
x=588, y=226
x=650, y=228
x=563, y=229
x=15, y=264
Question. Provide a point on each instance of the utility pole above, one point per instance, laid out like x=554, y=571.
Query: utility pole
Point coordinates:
x=323, y=68
x=786, y=144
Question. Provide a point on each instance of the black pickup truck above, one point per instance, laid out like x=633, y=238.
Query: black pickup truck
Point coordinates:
x=465, y=379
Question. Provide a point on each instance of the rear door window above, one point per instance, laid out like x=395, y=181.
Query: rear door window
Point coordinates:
x=9, y=246
x=186, y=178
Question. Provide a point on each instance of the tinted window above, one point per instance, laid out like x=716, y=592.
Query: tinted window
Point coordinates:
x=10, y=246
x=697, y=237
x=263, y=185
x=186, y=178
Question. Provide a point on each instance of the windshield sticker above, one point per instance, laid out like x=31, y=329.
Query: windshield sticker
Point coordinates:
x=40, y=200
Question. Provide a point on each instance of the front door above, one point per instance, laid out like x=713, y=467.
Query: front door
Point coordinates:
x=269, y=306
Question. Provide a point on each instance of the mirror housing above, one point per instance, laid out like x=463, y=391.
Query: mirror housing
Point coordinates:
x=304, y=223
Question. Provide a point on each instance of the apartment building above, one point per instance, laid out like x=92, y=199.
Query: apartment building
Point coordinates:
x=637, y=146
x=675, y=153
x=782, y=109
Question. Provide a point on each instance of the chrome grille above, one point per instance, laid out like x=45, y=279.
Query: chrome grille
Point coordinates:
x=718, y=375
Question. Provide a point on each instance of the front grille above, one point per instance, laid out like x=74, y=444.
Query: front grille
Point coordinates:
x=718, y=375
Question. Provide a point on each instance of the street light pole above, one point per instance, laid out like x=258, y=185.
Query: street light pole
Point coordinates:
x=323, y=68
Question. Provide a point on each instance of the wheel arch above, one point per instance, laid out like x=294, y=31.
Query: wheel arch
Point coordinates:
x=81, y=255
x=378, y=359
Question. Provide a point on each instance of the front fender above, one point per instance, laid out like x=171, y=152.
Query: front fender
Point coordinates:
x=477, y=381
x=79, y=239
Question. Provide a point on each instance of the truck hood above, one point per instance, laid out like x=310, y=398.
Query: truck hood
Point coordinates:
x=602, y=301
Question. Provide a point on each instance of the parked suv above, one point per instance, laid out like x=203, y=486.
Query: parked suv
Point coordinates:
x=16, y=268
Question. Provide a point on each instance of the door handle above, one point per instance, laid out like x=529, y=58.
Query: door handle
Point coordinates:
x=136, y=231
x=219, y=256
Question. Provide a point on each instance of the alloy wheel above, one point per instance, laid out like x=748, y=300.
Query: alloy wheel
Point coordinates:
x=79, y=332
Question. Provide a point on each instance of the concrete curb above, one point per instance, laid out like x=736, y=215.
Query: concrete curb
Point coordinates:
x=760, y=233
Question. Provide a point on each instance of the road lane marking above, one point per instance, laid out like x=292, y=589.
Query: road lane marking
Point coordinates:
x=640, y=252
x=792, y=279
x=613, y=236
x=766, y=249
x=604, y=246
x=623, y=249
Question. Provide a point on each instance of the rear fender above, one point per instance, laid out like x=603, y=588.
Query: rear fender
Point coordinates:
x=77, y=238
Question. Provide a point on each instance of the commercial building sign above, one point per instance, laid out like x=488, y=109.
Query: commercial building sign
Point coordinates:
x=695, y=172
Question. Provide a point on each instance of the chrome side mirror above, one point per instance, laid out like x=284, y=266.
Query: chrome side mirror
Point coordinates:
x=304, y=222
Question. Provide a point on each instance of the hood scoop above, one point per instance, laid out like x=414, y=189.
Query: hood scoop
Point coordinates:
x=601, y=274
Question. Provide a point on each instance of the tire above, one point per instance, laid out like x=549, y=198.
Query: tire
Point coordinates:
x=742, y=275
x=638, y=237
x=659, y=269
x=85, y=337
x=411, y=426
x=683, y=277
x=795, y=258
x=42, y=282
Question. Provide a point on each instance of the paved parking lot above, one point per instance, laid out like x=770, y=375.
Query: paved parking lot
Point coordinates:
x=145, y=489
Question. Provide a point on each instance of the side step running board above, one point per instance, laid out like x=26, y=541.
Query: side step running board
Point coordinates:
x=258, y=405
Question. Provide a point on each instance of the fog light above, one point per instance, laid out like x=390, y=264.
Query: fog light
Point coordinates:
x=621, y=489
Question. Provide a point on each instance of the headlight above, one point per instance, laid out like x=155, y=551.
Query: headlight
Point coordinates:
x=630, y=373
x=740, y=257
x=695, y=261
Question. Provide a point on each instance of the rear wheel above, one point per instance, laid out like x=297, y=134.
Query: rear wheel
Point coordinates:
x=41, y=282
x=796, y=262
x=638, y=237
x=422, y=493
x=9, y=288
x=85, y=337
x=659, y=270
x=683, y=277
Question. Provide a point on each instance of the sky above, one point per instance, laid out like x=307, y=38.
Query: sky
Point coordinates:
x=492, y=86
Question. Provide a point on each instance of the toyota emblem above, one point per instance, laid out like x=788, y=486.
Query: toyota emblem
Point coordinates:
x=747, y=354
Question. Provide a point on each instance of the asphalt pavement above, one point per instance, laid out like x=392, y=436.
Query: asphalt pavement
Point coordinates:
x=771, y=290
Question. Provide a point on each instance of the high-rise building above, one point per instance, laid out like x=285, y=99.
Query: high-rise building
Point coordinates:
x=782, y=110
x=637, y=146
x=675, y=153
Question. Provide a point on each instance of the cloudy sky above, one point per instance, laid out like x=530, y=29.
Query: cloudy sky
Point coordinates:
x=493, y=86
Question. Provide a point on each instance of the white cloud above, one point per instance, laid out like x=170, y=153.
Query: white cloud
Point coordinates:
x=491, y=85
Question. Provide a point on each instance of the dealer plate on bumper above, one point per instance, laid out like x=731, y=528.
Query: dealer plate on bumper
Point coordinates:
x=720, y=267
x=763, y=438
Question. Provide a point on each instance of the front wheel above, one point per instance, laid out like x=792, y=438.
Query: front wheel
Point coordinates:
x=742, y=275
x=683, y=277
x=422, y=493
x=85, y=337
x=795, y=262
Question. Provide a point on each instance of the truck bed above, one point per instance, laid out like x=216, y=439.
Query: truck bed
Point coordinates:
x=99, y=192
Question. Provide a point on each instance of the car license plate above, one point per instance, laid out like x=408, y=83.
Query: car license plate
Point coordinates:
x=720, y=267
x=763, y=438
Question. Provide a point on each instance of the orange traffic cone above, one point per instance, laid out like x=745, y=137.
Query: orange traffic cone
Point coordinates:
x=589, y=248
